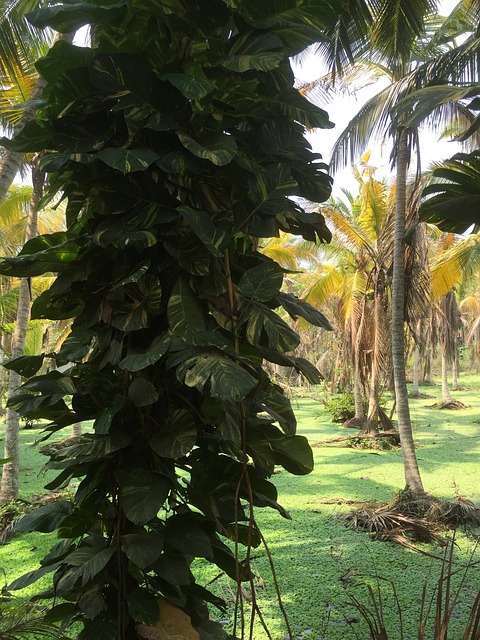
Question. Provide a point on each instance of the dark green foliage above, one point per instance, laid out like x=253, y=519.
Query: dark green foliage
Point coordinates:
x=341, y=407
x=176, y=142
x=452, y=199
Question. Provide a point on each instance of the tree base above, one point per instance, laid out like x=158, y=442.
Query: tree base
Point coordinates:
x=449, y=404
x=410, y=518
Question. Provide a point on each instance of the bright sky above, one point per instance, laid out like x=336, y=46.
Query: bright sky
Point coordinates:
x=342, y=109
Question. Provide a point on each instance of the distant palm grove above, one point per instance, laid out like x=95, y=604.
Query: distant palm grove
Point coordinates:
x=174, y=269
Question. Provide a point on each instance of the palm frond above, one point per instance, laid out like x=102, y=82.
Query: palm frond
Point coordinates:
x=355, y=287
x=352, y=234
x=455, y=264
x=322, y=284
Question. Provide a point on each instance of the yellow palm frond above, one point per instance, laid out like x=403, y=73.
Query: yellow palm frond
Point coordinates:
x=322, y=284
x=351, y=233
x=456, y=263
x=373, y=211
x=470, y=305
x=355, y=287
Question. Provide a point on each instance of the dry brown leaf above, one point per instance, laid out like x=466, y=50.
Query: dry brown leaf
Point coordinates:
x=173, y=624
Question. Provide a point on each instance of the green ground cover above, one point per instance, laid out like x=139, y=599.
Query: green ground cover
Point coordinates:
x=319, y=562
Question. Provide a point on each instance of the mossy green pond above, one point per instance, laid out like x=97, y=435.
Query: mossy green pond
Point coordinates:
x=320, y=564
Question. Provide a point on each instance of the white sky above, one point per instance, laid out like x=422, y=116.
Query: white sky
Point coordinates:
x=342, y=109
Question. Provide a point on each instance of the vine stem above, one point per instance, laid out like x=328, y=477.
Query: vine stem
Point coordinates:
x=275, y=582
x=245, y=478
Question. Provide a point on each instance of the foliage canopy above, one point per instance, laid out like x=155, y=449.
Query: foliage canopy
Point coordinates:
x=176, y=142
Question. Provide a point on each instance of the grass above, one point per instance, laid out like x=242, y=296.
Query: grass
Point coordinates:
x=321, y=564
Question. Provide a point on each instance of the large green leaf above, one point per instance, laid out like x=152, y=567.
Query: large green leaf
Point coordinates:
x=260, y=62
x=219, y=148
x=228, y=380
x=451, y=200
x=128, y=160
x=26, y=366
x=278, y=406
x=142, y=392
x=300, y=308
x=52, y=383
x=92, y=602
x=143, y=606
x=41, y=255
x=177, y=435
x=103, y=422
x=62, y=57
x=192, y=87
x=142, y=493
x=143, y=549
x=185, y=534
x=214, y=238
x=71, y=16
x=138, y=359
x=294, y=454
x=307, y=369
x=32, y=576
x=45, y=519
x=185, y=313
x=35, y=136
x=266, y=328
x=262, y=282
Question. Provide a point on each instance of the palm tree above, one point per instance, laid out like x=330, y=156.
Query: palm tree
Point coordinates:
x=20, y=46
x=361, y=254
x=402, y=46
x=9, y=488
x=350, y=275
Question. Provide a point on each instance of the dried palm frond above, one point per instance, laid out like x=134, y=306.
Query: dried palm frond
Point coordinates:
x=453, y=514
x=388, y=523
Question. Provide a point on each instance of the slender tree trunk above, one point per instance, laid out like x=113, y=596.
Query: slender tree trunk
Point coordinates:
x=357, y=391
x=415, y=375
x=76, y=430
x=446, y=397
x=373, y=416
x=455, y=367
x=9, y=487
x=427, y=369
x=11, y=160
x=412, y=474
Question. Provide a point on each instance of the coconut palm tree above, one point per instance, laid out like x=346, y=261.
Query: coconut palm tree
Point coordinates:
x=361, y=253
x=20, y=46
x=402, y=46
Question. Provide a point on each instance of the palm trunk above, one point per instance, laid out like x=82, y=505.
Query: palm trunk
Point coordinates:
x=9, y=488
x=427, y=369
x=446, y=397
x=11, y=160
x=415, y=376
x=410, y=465
x=357, y=391
x=76, y=430
x=455, y=367
x=373, y=415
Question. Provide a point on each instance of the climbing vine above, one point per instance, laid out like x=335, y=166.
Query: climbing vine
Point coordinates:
x=176, y=141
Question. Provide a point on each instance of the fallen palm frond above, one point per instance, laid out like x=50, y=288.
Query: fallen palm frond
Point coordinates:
x=453, y=514
x=417, y=519
x=386, y=523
